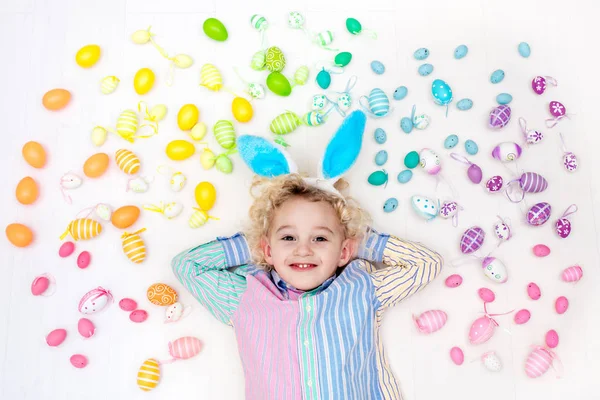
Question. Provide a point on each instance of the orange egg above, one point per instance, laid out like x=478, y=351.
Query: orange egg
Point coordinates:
x=125, y=216
x=27, y=190
x=96, y=165
x=34, y=154
x=19, y=235
x=161, y=294
x=56, y=99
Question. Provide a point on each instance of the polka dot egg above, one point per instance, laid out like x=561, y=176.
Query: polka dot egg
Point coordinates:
x=390, y=205
x=451, y=141
x=471, y=147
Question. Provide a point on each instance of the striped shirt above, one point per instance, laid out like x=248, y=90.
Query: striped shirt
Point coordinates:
x=321, y=344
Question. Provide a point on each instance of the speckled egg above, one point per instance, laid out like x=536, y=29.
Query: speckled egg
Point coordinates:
x=421, y=54
x=522, y=316
x=425, y=69
x=561, y=305
x=533, y=291
x=464, y=104
x=471, y=147
x=406, y=125
x=380, y=136
x=400, y=93
x=486, y=295
x=461, y=51
x=411, y=160
x=451, y=141
x=377, y=67
x=504, y=98
x=497, y=76
x=405, y=176
x=524, y=49
x=453, y=281
x=390, y=205
x=381, y=157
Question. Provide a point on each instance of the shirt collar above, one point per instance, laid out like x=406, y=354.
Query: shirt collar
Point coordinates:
x=284, y=287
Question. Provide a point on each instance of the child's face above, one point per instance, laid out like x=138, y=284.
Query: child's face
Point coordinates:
x=306, y=243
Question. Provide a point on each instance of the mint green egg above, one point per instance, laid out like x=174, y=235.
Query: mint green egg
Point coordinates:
x=411, y=160
x=378, y=178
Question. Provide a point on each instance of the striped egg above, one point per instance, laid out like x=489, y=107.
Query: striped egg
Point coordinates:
x=313, y=118
x=210, y=77
x=538, y=362
x=259, y=22
x=185, y=347
x=572, y=274
x=198, y=218
x=127, y=125
x=507, y=151
x=324, y=38
x=109, y=84
x=127, y=161
x=533, y=183
x=258, y=61
x=285, y=123
x=148, y=375
x=134, y=247
x=83, y=228
x=224, y=133
x=430, y=321
x=274, y=59
x=301, y=75
x=538, y=214
x=379, y=104
x=472, y=240
x=499, y=116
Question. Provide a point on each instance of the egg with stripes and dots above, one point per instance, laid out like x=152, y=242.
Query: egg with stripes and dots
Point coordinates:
x=390, y=205
x=461, y=51
x=148, y=375
x=425, y=69
x=381, y=157
x=127, y=161
x=400, y=93
x=380, y=136
x=224, y=133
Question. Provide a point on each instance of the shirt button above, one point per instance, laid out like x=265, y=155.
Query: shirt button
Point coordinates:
x=308, y=308
x=306, y=343
x=309, y=383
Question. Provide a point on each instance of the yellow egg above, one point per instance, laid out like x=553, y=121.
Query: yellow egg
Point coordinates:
x=19, y=235
x=27, y=191
x=148, y=375
x=242, y=109
x=109, y=84
x=161, y=294
x=143, y=81
x=158, y=113
x=183, y=61
x=207, y=158
x=88, y=55
x=187, y=117
x=99, y=136
x=179, y=150
x=34, y=154
x=198, y=131
x=125, y=216
x=206, y=195
x=96, y=165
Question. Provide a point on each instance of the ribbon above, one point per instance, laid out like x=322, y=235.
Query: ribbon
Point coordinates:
x=159, y=209
x=90, y=209
x=551, y=122
x=568, y=211
x=489, y=316
x=127, y=234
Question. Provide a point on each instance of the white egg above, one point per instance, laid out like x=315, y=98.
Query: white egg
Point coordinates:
x=502, y=231
x=172, y=210
x=104, y=212
x=138, y=185
x=421, y=121
x=491, y=362
x=430, y=161
x=175, y=312
x=70, y=181
x=424, y=207
x=93, y=304
x=494, y=269
x=178, y=181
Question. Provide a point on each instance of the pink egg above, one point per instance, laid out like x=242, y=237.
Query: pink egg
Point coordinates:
x=522, y=316
x=572, y=274
x=457, y=355
x=454, y=281
x=66, y=249
x=39, y=285
x=541, y=250
x=79, y=361
x=86, y=328
x=83, y=260
x=482, y=330
x=127, y=304
x=138, y=316
x=551, y=338
x=561, y=305
x=486, y=295
x=56, y=337
x=430, y=321
x=534, y=291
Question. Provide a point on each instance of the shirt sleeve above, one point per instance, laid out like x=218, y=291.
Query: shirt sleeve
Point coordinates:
x=203, y=272
x=410, y=266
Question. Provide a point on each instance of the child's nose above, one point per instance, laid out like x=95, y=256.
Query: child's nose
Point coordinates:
x=303, y=249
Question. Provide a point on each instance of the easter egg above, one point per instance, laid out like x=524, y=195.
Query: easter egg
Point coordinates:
x=504, y=98
x=424, y=207
x=390, y=205
x=177, y=181
x=457, y=356
x=507, y=151
x=556, y=108
x=494, y=184
x=451, y=141
x=471, y=240
x=83, y=259
x=561, y=305
x=342, y=59
x=441, y=92
x=96, y=165
x=421, y=54
x=98, y=136
x=491, y=362
x=378, y=178
x=323, y=79
x=206, y=195
x=125, y=216
x=430, y=161
x=494, y=270
x=430, y=321
x=241, y=109
x=86, y=328
x=143, y=81
x=161, y=294
x=127, y=304
x=279, y=84
x=380, y=136
x=464, y=104
x=34, y=154
x=379, y=104
x=138, y=316
x=179, y=150
x=56, y=337
x=411, y=160
x=56, y=99
x=570, y=162
x=524, y=49
x=400, y=93
x=207, y=158
x=572, y=274
x=453, y=281
x=127, y=161
x=405, y=176
x=94, y=301
x=381, y=157
x=471, y=147
x=425, y=69
x=275, y=59
x=551, y=338
x=27, y=190
x=461, y=51
x=377, y=67
x=66, y=249
x=198, y=131
x=486, y=295
x=538, y=214
x=214, y=29
x=406, y=125
x=499, y=117
x=421, y=121
x=148, y=375
x=353, y=26
x=497, y=76
x=522, y=316
x=88, y=56
x=541, y=250
x=187, y=117
x=109, y=84
x=40, y=285
x=533, y=291
x=223, y=164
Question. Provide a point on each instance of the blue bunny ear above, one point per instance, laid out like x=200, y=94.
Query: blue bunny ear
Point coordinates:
x=263, y=157
x=344, y=147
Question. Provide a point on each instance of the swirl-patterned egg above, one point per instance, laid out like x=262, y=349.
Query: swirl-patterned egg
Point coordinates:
x=507, y=151
x=161, y=294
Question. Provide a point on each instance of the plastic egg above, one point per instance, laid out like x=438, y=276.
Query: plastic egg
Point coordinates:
x=522, y=316
x=34, y=154
x=411, y=160
x=177, y=181
x=207, y=158
x=533, y=291
x=551, y=338
x=453, y=281
x=198, y=131
x=206, y=195
x=504, y=98
x=421, y=121
x=451, y=141
x=378, y=178
x=124, y=217
x=381, y=157
x=27, y=191
x=41, y=285
x=491, y=362
x=19, y=235
x=390, y=205
x=86, y=328
x=400, y=93
x=464, y=104
x=143, y=81
x=103, y=211
x=425, y=69
x=497, y=76
x=127, y=304
x=179, y=150
x=88, y=55
x=109, y=84
x=421, y=54
x=84, y=259
x=79, y=361
x=524, y=49
x=430, y=161
x=507, y=151
x=424, y=207
x=486, y=295
x=494, y=270
x=457, y=356
x=572, y=274
x=96, y=165
x=138, y=316
x=214, y=29
x=66, y=249
x=561, y=304
x=380, y=136
x=406, y=125
x=242, y=109
x=461, y=51
x=56, y=99
x=161, y=295
x=377, y=67
x=56, y=337
x=405, y=176
x=98, y=136
x=187, y=117
x=541, y=250
x=342, y=59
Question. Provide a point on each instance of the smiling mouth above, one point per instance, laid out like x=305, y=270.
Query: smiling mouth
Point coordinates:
x=302, y=267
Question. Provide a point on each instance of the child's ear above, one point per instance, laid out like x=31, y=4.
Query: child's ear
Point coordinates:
x=349, y=247
x=266, y=248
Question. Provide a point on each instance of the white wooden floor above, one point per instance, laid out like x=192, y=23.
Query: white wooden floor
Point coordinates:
x=38, y=41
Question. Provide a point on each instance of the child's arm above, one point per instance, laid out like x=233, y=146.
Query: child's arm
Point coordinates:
x=202, y=270
x=410, y=266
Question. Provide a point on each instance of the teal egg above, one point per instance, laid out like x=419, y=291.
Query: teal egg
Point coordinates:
x=451, y=141
x=390, y=204
x=524, y=49
x=381, y=157
x=400, y=93
x=497, y=76
x=405, y=176
x=421, y=54
x=461, y=51
x=425, y=69
x=378, y=178
x=406, y=124
x=380, y=136
x=471, y=147
x=412, y=159
x=377, y=67
x=441, y=92
x=323, y=79
x=464, y=104
x=504, y=98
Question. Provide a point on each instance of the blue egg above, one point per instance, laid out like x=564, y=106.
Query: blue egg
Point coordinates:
x=461, y=51
x=451, y=141
x=441, y=92
x=380, y=136
x=400, y=93
x=421, y=54
x=464, y=104
x=425, y=69
x=381, y=157
x=524, y=49
x=471, y=147
x=390, y=205
x=377, y=67
x=405, y=176
x=504, y=98
x=406, y=124
x=497, y=76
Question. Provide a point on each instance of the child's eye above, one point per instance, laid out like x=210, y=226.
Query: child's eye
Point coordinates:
x=288, y=238
x=321, y=239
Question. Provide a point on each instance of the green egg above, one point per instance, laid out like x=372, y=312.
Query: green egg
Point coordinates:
x=378, y=178
x=353, y=26
x=343, y=59
x=323, y=79
x=411, y=160
x=224, y=164
x=279, y=84
x=214, y=29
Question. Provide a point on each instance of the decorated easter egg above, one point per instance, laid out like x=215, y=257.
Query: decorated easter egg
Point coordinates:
x=430, y=161
x=19, y=235
x=557, y=109
x=486, y=295
x=507, y=151
x=424, y=207
x=503, y=98
x=441, y=92
x=161, y=295
x=377, y=67
x=143, y=81
x=405, y=176
x=378, y=178
x=319, y=101
x=411, y=160
x=499, y=116
x=275, y=60
x=66, y=249
x=551, y=338
x=381, y=157
x=134, y=247
x=570, y=162
x=533, y=291
x=88, y=56
x=96, y=165
x=380, y=136
x=56, y=337
x=241, y=109
x=451, y=141
x=406, y=125
x=421, y=54
x=425, y=69
x=103, y=211
x=127, y=161
x=538, y=84
x=522, y=316
x=109, y=84
x=494, y=184
x=206, y=195
x=561, y=305
x=453, y=281
x=471, y=240
x=481, y=330
x=541, y=250
x=491, y=362
x=430, y=321
x=342, y=59
x=421, y=121
x=138, y=316
x=148, y=375
x=379, y=104
x=279, y=84
x=502, y=231
x=524, y=49
x=457, y=356
x=390, y=205
x=56, y=99
x=187, y=117
x=94, y=301
x=83, y=259
x=538, y=362
x=125, y=216
x=572, y=274
x=214, y=29
x=464, y=104
x=224, y=133
x=127, y=304
x=497, y=76
x=27, y=191
x=177, y=182
x=532, y=183
x=461, y=51
x=86, y=328
x=258, y=60
x=78, y=361
x=449, y=209
x=34, y=154
x=83, y=228
x=494, y=270
x=471, y=147
x=185, y=347
x=179, y=150
x=400, y=93
x=538, y=214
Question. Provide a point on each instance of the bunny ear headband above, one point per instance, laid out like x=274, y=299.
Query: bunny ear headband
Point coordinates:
x=269, y=159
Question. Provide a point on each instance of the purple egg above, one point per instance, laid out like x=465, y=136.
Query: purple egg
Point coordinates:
x=499, y=116
x=474, y=173
x=563, y=227
x=494, y=184
x=472, y=239
x=557, y=109
x=570, y=162
x=448, y=209
x=538, y=84
x=538, y=214
x=533, y=183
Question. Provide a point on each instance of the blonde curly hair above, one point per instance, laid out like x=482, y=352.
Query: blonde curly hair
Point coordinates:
x=270, y=194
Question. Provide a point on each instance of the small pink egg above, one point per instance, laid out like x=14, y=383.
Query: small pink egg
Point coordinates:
x=457, y=355
x=454, y=281
x=83, y=260
x=534, y=291
x=86, y=328
x=486, y=295
x=551, y=338
x=56, y=337
x=522, y=316
x=561, y=305
x=39, y=285
x=66, y=249
x=127, y=304
x=138, y=316
x=541, y=250
x=79, y=361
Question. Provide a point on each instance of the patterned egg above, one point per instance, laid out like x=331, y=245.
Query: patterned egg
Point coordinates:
x=148, y=375
x=457, y=356
x=344, y=102
x=464, y=104
x=421, y=54
x=448, y=209
x=494, y=269
x=380, y=136
x=258, y=61
x=491, y=362
x=406, y=125
x=411, y=160
x=533, y=183
x=95, y=300
x=425, y=69
x=502, y=231
x=561, y=304
x=405, y=176
x=551, y=338
x=471, y=240
x=486, y=295
x=275, y=60
x=572, y=274
x=533, y=291
x=381, y=157
x=451, y=141
x=109, y=84
x=471, y=147
x=295, y=20
x=430, y=321
x=494, y=184
x=497, y=76
x=524, y=49
x=499, y=116
x=532, y=136
x=441, y=91
x=161, y=294
x=557, y=109
x=177, y=181
x=390, y=205
x=421, y=121
x=453, y=281
x=319, y=101
x=481, y=330
x=461, y=51
x=541, y=250
x=504, y=98
x=424, y=207
x=522, y=316
x=430, y=161
x=127, y=161
x=134, y=247
x=379, y=104
x=377, y=67
x=538, y=362
x=538, y=84
x=400, y=93
x=570, y=162
x=538, y=214
x=224, y=133
x=507, y=151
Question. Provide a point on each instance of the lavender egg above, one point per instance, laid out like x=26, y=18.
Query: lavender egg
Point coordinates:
x=533, y=183
x=538, y=214
x=499, y=116
x=507, y=151
x=472, y=239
